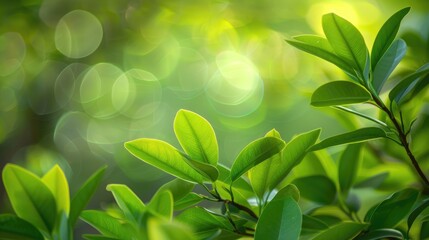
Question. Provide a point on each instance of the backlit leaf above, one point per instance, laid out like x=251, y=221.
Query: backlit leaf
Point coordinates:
x=339, y=93
x=108, y=225
x=178, y=188
x=128, y=202
x=162, y=204
x=56, y=181
x=416, y=212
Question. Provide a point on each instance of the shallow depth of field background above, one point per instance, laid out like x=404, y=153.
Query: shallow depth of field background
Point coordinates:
x=78, y=78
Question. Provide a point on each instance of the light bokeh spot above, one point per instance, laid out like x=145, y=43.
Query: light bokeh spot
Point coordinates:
x=12, y=52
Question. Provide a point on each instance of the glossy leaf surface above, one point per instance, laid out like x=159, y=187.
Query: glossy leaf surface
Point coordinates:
x=128, y=202
x=108, y=225
x=339, y=93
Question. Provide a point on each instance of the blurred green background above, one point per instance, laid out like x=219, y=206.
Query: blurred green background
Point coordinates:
x=78, y=78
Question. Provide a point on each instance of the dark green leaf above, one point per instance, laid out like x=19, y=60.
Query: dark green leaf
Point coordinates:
x=14, y=227
x=339, y=93
x=255, y=153
x=281, y=217
x=98, y=237
x=424, y=230
x=128, y=202
x=319, y=189
x=341, y=231
x=108, y=225
x=346, y=41
x=407, y=84
x=384, y=233
x=360, y=135
x=162, y=204
x=31, y=199
x=189, y=200
x=311, y=224
x=392, y=210
x=416, y=212
x=388, y=63
x=386, y=35
x=372, y=182
x=84, y=194
x=196, y=136
x=56, y=181
x=288, y=191
x=165, y=157
x=348, y=167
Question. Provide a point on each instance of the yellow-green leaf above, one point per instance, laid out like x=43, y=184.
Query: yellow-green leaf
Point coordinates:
x=56, y=181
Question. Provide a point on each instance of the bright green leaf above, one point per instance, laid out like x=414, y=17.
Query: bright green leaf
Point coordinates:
x=162, y=204
x=416, y=212
x=281, y=217
x=189, y=200
x=341, y=231
x=84, y=194
x=197, y=137
x=339, y=93
x=178, y=188
x=206, y=170
x=317, y=188
x=386, y=35
x=388, y=63
x=166, y=230
x=255, y=153
x=406, y=85
x=14, y=227
x=384, y=233
x=108, y=225
x=128, y=202
x=348, y=167
x=288, y=191
x=56, y=181
x=165, y=157
x=346, y=41
x=360, y=135
x=202, y=220
x=31, y=199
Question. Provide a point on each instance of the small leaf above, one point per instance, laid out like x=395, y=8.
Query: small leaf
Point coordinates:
x=348, y=167
x=392, y=210
x=189, y=200
x=388, y=63
x=384, y=233
x=162, y=204
x=255, y=153
x=31, y=199
x=108, y=225
x=386, y=35
x=373, y=181
x=165, y=157
x=407, y=84
x=281, y=217
x=320, y=47
x=311, y=224
x=360, y=135
x=197, y=137
x=339, y=93
x=341, y=231
x=162, y=230
x=202, y=220
x=56, y=181
x=178, y=188
x=346, y=41
x=206, y=170
x=84, y=194
x=416, y=212
x=13, y=227
x=128, y=202
x=316, y=188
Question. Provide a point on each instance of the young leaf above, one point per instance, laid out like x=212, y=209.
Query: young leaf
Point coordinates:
x=348, y=167
x=255, y=153
x=360, y=135
x=197, y=137
x=202, y=220
x=128, y=202
x=407, y=84
x=84, y=194
x=178, y=188
x=388, y=63
x=392, y=210
x=319, y=189
x=189, y=200
x=386, y=35
x=339, y=93
x=206, y=170
x=108, y=225
x=162, y=204
x=56, y=181
x=267, y=175
x=343, y=230
x=288, y=191
x=320, y=47
x=311, y=224
x=13, y=227
x=416, y=212
x=31, y=199
x=165, y=157
x=346, y=41
x=281, y=217
x=166, y=230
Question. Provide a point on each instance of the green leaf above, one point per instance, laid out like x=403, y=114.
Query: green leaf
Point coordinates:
x=267, y=175
x=392, y=210
x=162, y=204
x=166, y=230
x=56, y=181
x=339, y=93
x=386, y=35
x=196, y=136
x=206, y=170
x=62, y=229
x=165, y=157
x=202, y=220
x=128, y=202
x=311, y=224
x=348, y=167
x=424, y=230
x=255, y=153
x=406, y=85
x=346, y=41
x=316, y=188
x=388, y=63
x=341, y=231
x=384, y=233
x=373, y=181
x=108, y=225
x=416, y=212
x=360, y=135
x=84, y=194
x=189, y=200
x=31, y=199
x=281, y=217
x=320, y=47
x=178, y=188
x=288, y=191
x=13, y=227
x=98, y=237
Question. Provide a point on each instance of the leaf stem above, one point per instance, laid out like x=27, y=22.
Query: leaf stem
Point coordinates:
x=361, y=115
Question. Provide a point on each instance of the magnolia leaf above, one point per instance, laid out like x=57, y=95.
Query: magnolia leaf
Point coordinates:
x=339, y=93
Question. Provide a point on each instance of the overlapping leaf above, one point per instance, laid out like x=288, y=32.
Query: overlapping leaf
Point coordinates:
x=339, y=93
